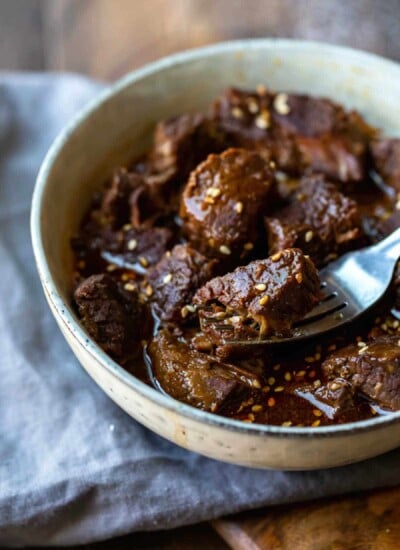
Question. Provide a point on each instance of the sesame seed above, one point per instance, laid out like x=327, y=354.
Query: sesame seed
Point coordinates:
x=149, y=290
x=272, y=164
x=211, y=242
x=248, y=246
x=125, y=277
x=361, y=344
x=287, y=423
x=252, y=105
x=213, y=407
x=264, y=300
x=362, y=350
x=167, y=279
x=276, y=257
x=271, y=380
x=132, y=244
x=144, y=261
x=276, y=367
x=256, y=384
x=251, y=417
x=220, y=315
x=237, y=112
x=111, y=267
x=316, y=423
x=384, y=326
x=281, y=105
x=266, y=389
x=317, y=412
x=308, y=236
x=263, y=120
x=213, y=192
x=271, y=402
x=256, y=408
x=261, y=89
x=317, y=356
x=261, y=287
x=239, y=207
x=335, y=386
x=209, y=200
x=191, y=308
x=184, y=312
x=288, y=376
x=299, y=278
x=396, y=324
x=225, y=249
x=309, y=359
x=301, y=373
x=317, y=384
x=129, y=287
x=278, y=389
x=127, y=227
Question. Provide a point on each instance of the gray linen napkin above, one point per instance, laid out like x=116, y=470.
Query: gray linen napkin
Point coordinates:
x=74, y=468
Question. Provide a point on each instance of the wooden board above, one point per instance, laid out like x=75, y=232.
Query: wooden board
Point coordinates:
x=369, y=521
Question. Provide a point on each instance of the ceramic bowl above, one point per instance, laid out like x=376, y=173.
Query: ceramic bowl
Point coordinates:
x=116, y=127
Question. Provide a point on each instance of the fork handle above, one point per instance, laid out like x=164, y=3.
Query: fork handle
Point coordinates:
x=390, y=246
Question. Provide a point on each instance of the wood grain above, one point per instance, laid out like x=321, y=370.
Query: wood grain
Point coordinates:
x=107, y=39
x=369, y=521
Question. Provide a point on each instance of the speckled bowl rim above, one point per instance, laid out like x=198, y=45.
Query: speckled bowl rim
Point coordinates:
x=63, y=309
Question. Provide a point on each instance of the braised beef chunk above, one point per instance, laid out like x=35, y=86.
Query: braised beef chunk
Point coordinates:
x=334, y=399
x=272, y=293
x=320, y=220
x=244, y=117
x=181, y=142
x=386, y=158
x=223, y=201
x=316, y=117
x=331, y=156
x=191, y=376
x=134, y=199
x=144, y=246
x=110, y=315
x=373, y=370
x=175, y=279
x=115, y=204
x=128, y=248
x=300, y=132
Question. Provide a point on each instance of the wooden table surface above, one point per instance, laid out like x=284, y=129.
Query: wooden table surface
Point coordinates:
x=105, y=39
x=367, y=521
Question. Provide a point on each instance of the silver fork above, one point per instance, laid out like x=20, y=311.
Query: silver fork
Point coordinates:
x=350, y=286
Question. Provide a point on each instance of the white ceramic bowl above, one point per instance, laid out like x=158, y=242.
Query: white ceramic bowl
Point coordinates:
x=116, y=127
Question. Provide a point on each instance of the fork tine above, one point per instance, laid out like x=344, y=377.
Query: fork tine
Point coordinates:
x=325, y=307
x=324, y=324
